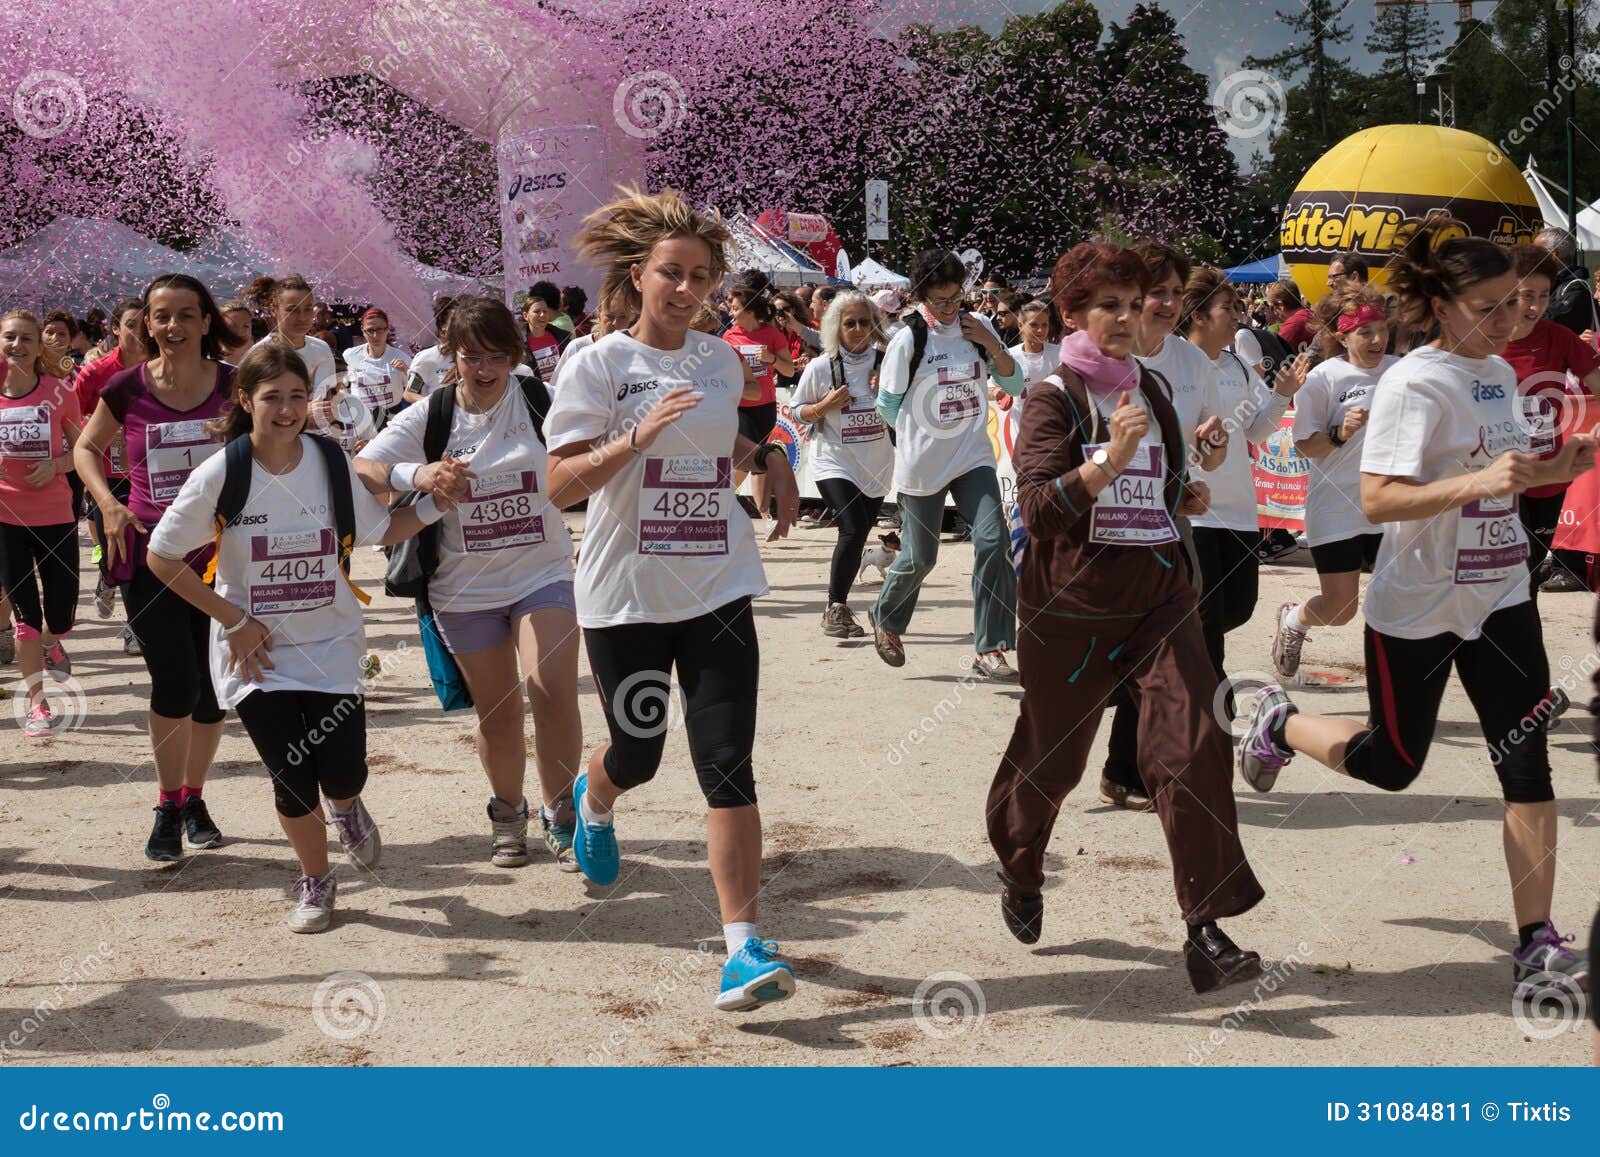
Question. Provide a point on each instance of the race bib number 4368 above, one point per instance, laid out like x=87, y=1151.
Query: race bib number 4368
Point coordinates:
x=501, y=512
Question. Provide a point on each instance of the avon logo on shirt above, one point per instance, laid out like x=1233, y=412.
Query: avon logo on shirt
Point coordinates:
x=689, y=468
x=1498, y=437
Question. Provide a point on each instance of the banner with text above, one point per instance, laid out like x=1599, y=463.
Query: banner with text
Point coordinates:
x=549, y=181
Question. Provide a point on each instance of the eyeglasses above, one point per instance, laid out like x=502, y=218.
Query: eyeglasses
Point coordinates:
x=945, y=302
x=489, y=361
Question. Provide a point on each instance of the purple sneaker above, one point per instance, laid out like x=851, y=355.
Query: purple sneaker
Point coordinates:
x=1260, y=759
x=313, y=910
x=358, y=835
x=1548, y=965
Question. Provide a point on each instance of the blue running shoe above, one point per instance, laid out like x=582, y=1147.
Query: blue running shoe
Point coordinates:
x=595, y=845
x=754, y=976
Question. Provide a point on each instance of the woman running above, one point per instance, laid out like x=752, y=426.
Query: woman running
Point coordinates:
x=1106, y=598
x=127, y=325
x=377, y=370
x=429, y=367
x=293, y=308
x=646, y=428
x=1330, y=414
x=1190, y=379
x=605, y=318
x=39, y=423
x=1543, y=354
x=545, y=341
x=1445, y=459
x=765, y=350
x=939, y=409
x=502, y=591
x=287, y=639
x=161, y=410
x=238, y=334
x=852, y=462
x=1227, y=534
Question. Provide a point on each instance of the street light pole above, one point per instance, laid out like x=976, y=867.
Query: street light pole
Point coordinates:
x=1572, y=114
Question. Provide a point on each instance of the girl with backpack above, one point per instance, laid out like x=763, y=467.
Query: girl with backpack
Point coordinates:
x=286, y=638
x=932, y=391
x=501, y=592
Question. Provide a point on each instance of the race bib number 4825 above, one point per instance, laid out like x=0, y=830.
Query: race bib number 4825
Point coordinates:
x=684, y=503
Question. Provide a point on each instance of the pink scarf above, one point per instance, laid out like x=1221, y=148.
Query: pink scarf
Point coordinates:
x=1101, y=372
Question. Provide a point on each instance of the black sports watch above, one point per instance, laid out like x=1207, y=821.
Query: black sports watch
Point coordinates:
x=758, y=460
x=1334, y=436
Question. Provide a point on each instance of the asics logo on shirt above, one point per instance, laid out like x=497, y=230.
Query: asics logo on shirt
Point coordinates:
x=628, y=388
x=250, y=520
x=1489, y=392
x=1354, y=394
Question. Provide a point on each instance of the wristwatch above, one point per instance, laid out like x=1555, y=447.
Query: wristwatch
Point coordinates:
x=1103, y=460
x=758, y=459
x=1334, y=436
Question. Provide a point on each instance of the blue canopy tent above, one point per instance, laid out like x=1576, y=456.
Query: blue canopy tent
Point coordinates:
x=1256, y=272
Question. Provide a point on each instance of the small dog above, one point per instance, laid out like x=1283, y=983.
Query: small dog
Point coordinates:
x=879, y=557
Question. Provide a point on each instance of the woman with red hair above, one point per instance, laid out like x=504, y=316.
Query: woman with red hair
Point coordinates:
x=1105, y=600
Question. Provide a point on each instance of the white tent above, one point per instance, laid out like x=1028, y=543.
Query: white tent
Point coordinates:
x=869, y=275
x=78, y=263
x=1553, y=209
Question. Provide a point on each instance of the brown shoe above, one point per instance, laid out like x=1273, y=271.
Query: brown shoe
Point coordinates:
x=1022, y=911
x=1125, y=797
x=839, y=623
x=888, y=645
x=993, y=667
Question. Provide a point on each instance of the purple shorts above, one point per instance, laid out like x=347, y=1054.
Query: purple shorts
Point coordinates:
x=467, y=632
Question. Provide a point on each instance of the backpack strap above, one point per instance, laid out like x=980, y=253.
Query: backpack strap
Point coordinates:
x=836, y=368
x=918, y=325
x=441, y=412
x=538, y=400
x=235, y=493
x=344, y=508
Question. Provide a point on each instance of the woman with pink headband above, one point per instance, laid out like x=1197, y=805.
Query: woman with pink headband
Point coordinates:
x=1330, y=414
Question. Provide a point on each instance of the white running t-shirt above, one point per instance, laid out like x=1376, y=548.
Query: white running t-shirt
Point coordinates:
x=1333, y=496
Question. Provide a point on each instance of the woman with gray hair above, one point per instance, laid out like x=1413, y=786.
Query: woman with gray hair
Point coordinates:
x=853, y=459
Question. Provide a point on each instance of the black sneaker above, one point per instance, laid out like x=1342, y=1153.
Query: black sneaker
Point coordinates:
x=197, y=825
x=166, y=838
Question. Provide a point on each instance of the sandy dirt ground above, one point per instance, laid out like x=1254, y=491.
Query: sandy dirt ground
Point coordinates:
x=1388, y=916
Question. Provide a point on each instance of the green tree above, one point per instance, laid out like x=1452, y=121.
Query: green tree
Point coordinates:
x=1317, y=27
x=1405, y=39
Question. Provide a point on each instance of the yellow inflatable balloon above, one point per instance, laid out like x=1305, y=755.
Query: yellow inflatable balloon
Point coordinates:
x=1369, y=193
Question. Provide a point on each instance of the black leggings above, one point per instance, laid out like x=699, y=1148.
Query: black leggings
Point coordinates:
x=54, y=551
x=1505, y=674
x=1230, y=576
x=719, y=667
x=311, y=742
x=175, y=641
x=856, y=515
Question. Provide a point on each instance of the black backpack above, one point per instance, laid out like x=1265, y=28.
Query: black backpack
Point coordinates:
x=412, y=562
x=1275, y=352
x=236, y=493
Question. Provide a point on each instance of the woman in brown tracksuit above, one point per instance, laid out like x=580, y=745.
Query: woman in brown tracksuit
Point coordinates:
x=1105, y=599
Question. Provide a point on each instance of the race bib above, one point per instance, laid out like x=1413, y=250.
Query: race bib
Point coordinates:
x=959, y=400
x=1131, y=511
x=684, y=504
x=25, y=433
x=1490, y=544
x=859, y=422
x=172, y=450
x=291, y=572
x=117, y=453
x=499, y=512
x=373, y=388
x=545, y=362
x=1539, y=415
x=752, y=356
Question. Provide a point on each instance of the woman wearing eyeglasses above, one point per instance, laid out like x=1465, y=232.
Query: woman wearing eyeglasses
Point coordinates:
x=377, y=370
x=502, y=591
x=940, y=412
x=852, y=459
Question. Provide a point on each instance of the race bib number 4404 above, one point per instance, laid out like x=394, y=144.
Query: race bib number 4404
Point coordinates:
x=293, y=571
